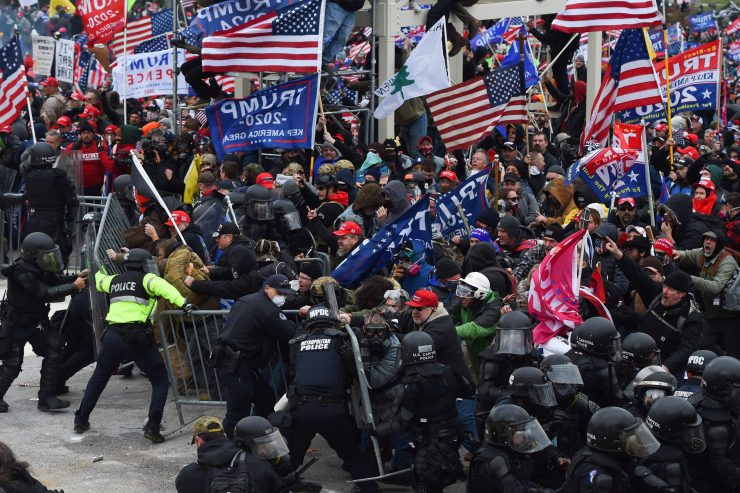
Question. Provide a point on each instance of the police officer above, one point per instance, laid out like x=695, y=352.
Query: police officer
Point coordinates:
x=35, y=280
x=427, y=409
x=694, y=371
x=638, y=351
x=247, y=345
x=613, y=438
x=647, y=391
x=503, y=462
x=260, y=214
x=678, y=428
x=321, y=365
x=129, y=335
x=52, y=202
x=123, y=188
x=595, y=348
x=512, y=348
x=718, y=404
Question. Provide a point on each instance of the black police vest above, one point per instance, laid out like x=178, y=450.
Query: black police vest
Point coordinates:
x=589, y=462
x=318, y=365
x=129, y=286
x=44, y=190
x=480, y=481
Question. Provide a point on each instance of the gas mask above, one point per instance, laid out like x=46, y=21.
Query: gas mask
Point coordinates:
x=375, y=331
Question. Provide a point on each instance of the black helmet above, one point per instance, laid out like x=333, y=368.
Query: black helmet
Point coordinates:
x=699, y=360
x=640, y=350
x=531, y=383
x=286, y=214
x=123, y=187
x=675, y=420
x=613, y=429
x=513, y=427
x=136, y=259
x=40, y=249
x=320, y=315
x=258, y=203
x=722, y=381
x=653, y=387
x=564, y=375
x=418, y=347
x=39, y=155
x=513, y=334
x=597, y=336
x=262, y=439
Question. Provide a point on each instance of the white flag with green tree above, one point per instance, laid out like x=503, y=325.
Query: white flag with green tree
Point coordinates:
x=423, y=73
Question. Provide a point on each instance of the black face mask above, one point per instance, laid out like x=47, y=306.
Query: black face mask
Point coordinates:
x=388, y=205
x=375, y=345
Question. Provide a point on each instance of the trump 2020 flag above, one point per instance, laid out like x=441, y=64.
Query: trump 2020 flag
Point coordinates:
x=513, y=57
x=281, y=116
x=611, y=170
x=423, y=73
x=377, y=252
x=470, y=196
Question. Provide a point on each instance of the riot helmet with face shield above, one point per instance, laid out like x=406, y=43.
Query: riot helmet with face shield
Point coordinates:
x=512, y=426
x=258, y=203
x=40, y=249
x=675, y=420
x=615, y=430
x=287, y=215
x=564, y=375
x=597, y=336
x=261, y=438
x=513, y=334
x=123, y=188
x=722, y=381
x=531, y=384
x=654, y=387
x=137, y=259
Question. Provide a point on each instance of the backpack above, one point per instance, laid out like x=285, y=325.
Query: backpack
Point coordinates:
x=730, y=296
x=235, y=478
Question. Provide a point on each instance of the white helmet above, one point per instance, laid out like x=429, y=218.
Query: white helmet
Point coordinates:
x=475, y=285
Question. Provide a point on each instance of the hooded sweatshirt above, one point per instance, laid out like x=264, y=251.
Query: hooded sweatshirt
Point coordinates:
x=395, y=192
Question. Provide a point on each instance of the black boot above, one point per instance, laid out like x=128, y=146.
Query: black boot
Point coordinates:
x=151, y=432
x=50, y=372
x=3, y=406
x=52, y=403
x=81, y=424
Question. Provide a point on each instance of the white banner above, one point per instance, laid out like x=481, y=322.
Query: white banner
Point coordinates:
x=148, y=74
x=43, y=55
x=28, y=3
x=65, y=61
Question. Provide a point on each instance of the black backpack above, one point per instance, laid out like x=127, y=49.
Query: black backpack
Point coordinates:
x=235, y=478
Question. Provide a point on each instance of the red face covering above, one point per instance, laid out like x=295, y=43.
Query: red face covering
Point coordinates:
x=579, y=91
x=704, y=206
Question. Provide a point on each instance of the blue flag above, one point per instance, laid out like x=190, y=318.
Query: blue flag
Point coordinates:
x=493, y=35
x=702, y=22
x=377, y=252
x=471, y=196
x=611, y=170
x=280, y=116
x=231, y=13
x=513, y=57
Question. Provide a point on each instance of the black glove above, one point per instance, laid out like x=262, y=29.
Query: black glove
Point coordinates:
x=497, y=467
x=189, y=309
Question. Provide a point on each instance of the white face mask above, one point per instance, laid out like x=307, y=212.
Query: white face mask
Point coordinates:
x=278, y=300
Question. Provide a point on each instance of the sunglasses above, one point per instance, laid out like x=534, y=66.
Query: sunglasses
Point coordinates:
x=624, y=208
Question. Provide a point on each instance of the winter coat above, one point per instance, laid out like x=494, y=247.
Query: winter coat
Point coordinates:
x=558, y=204
x=712, y=279
x=395, y=191
x=174, y=273
x=477, y=325
x=234, y=275
x=688, y=235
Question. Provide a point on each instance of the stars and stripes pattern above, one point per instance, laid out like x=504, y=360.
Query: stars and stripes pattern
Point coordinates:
x=157, y=43
x=601, y=15
x=142, y=30
x=513, y=30
x=465, y=112
x=628, y=82
x=356, y=48
x=89, y=73
x=13, y=86
x=286, y=40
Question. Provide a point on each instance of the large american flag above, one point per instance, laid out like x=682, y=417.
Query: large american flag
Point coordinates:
x=225, y=81
x=601, y=15
x=512, y=30
x=13, y=87
x=465, y=112
x=286, y=40
x=89, y=73
x=629, y=82
x=142, y=30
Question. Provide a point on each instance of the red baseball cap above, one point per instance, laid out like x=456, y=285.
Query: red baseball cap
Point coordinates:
x=693, y=138
x=64, y=121
x=627, y=200
x=49, y=81
x=111, y=129
x=663, y=245
x=90, y=111
x=661, y=127
x=448, y=175
x=704, y=183
x=77, y=96
x=179, y=217
x=423, y=298
x=6, y=129
x=348, y=228
x=266, y=180
x=689, y=151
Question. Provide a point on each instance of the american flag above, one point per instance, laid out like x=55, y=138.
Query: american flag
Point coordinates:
x=287, y=40
x=89, y=73
x=157, y=43
x=512, y=30
x=141, y=30
x=13, y=87
x=225, y=81
x=465, y=112
x=628, y=82
x=601, y=15
x=341, y=95
x=356, y=48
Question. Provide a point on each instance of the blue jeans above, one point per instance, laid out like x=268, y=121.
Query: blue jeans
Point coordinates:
x=338, y=24
x=466, y=418
x=413, y=132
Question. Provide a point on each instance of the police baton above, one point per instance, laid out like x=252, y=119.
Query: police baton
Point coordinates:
x=383, y=476
x=298, y=474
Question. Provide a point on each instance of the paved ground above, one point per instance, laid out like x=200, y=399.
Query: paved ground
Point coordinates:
x=130, y=463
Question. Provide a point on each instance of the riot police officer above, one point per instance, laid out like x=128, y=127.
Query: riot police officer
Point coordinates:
x=613, y=438
x=650, y=389
x=511, y=348
x=321, y=365
x=123, y=188
x=694, y=371
x=638, y=351
x=34, y=280
x=678, y=428
x=595, y=348
x=718, y=404
x=427, y=409
x=503, y=462
x=129, y=335
x=260, y=213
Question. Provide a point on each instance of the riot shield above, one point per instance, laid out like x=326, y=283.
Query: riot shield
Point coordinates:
x=329, y=212
x=209, y=217
x=98, y=300
x=301, y=241
x=7, y=180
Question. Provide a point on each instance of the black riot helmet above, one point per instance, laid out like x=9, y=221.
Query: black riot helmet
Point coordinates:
x=260, y=437
x=40, y=249
x=653, y=387
x=675, y=420
x=722, y=381
x=286, y=215
x=614, y=430
x=530, y=383
x=258, y=203
x=513, y=334
x=511, y=426
x=597, y=336
x=640, y=350
x=319, y=317
x=564, y=375
x=137, y=259
x=418, y=347
x=123, y=187
x=699, y=360
x=38, y=156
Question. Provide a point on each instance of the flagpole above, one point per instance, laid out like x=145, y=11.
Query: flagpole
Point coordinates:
x=177, y=114
x=125, y=71
x=30, y=119
x=552, y=62
x=651, y=206
x=667, y=85
x=521, y=40
x=447, y=53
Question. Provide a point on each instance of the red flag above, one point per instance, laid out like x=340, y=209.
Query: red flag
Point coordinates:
x=553, y=292
x=101, y=18
x=597, y=284
x=601, y=15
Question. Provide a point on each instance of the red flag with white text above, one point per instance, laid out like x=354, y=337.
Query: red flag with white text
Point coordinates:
x=101, y=19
